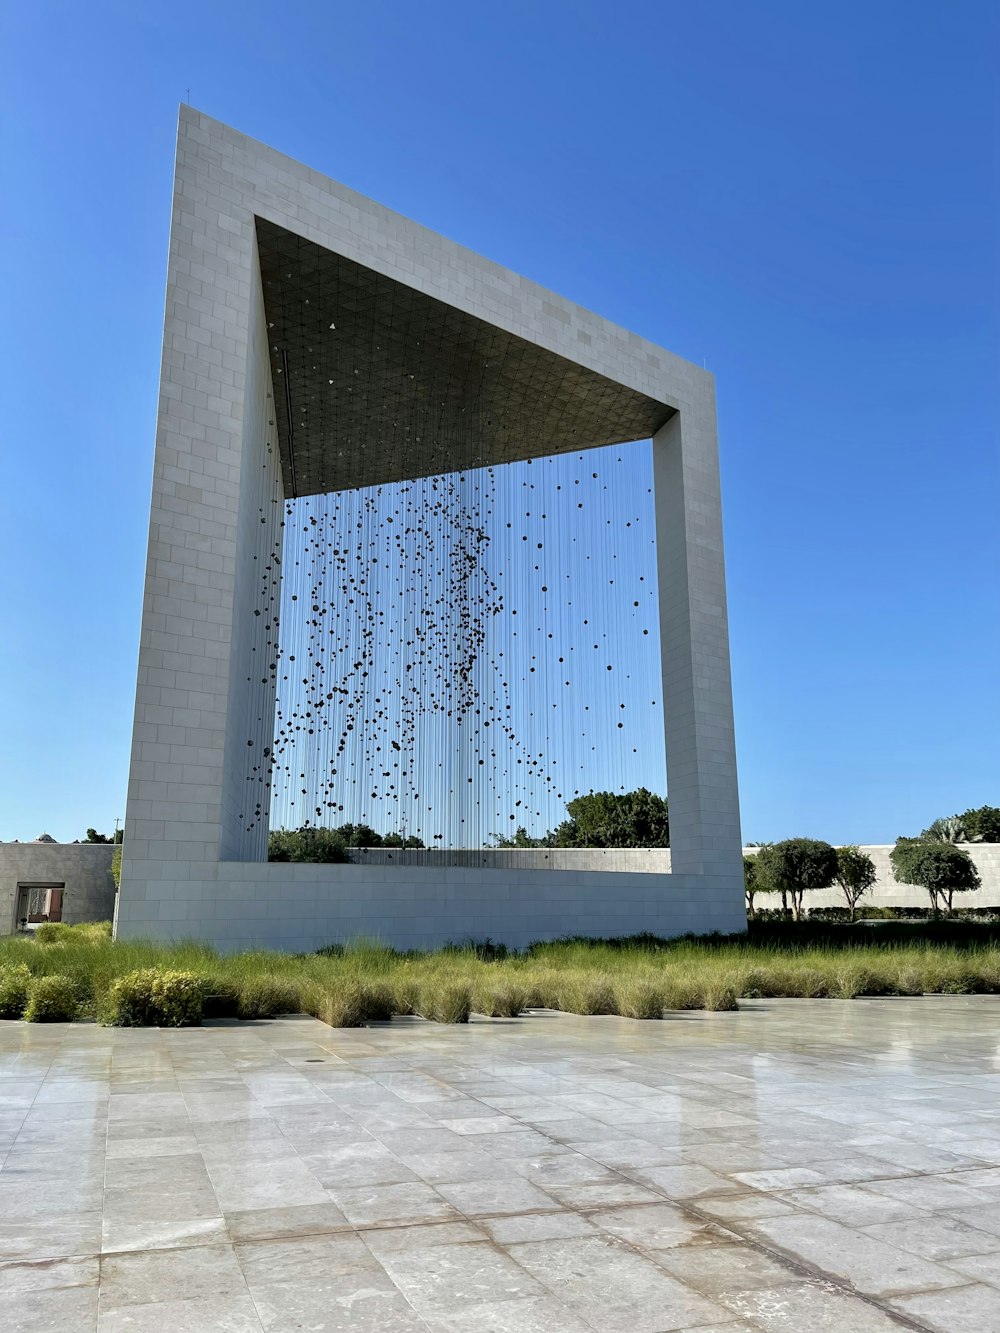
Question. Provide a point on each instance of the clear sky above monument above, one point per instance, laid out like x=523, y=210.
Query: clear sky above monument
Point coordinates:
x=801, y=200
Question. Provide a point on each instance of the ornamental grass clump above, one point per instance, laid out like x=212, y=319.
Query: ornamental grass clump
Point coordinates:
x=499, y=998
x=267, y=995
x=578, y=993
x=51, y=999
x=15, y=980
x=351, y=1003
x=154, y=997
x=639, y=998
x=443, y=1002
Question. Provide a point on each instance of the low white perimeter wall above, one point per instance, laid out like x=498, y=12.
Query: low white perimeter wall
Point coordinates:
x=236, y=905
x=654, y=860
x=887, y=893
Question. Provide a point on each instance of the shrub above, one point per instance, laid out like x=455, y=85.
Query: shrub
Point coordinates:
x=51, y=999
x=15, y=980
x=154, y=997
x=315, y=845
x=52, y=932
x=220, y=997
x=93, y=932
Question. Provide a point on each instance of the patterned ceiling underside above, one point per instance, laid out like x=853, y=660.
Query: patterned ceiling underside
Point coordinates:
x=376, y=382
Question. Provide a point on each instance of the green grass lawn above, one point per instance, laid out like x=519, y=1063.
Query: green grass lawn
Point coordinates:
x=639, y=978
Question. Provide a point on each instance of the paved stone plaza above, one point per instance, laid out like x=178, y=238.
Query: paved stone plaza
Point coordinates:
x=808, y=1166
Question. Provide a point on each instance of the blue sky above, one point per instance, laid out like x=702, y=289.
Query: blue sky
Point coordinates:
x=803, y=198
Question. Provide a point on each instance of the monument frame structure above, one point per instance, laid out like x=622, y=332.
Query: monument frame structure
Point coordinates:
x=277, y=278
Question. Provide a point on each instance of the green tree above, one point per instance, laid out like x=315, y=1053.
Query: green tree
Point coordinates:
x=94, y=836
x=856, y=874
x=520, y=838
x=950, y=829
x=605, y=819
x=116, y=866
x=982, y=825
x=939, y=867
x=359, y=835
x=793, y=867
x=313, y=845
x=397, y=840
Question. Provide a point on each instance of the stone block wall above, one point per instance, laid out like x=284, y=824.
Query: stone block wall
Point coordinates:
x=83, y=868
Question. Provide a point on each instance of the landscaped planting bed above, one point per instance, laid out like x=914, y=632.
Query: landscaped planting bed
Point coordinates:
x=79, y=972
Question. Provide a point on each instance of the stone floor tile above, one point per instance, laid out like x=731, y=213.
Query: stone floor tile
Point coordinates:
x=538, y=1226
x=621, y=1153
x=613, y=1288
x=446, y=1279
x=985, y=1218
x=482, y=1124
x=851, y=1204
x=353, y=1303
x=59, y=1309
x=683, y=1182
x=277, y=1223
x=390, y=1240
x=658, y=1226
x=171, y=1171
x=159, y=1234
x=868, y=1264
x=604, y=1194
x=744, y=1207
x=927, y=1192
x=165, y=1275
x=784, y=1178
x=303, y=1258
x=716, y=1267
x=285, y=1183
x=144, y=1147
x=807, y=1307
x=538, y=1314
x=562, y=1168
x=336, y=1165
x=489, y=1198
x=392, y=1205
x=42, y=1196
x=936, y=1236
x=40, y=1274
x=207, y=1314
x=472, y=1164
x=413, y=1142
x=970, y=1309
x=56, y=1236
x=980, y=1267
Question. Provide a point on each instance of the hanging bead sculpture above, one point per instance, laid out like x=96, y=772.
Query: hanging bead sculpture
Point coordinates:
x=461, y=654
